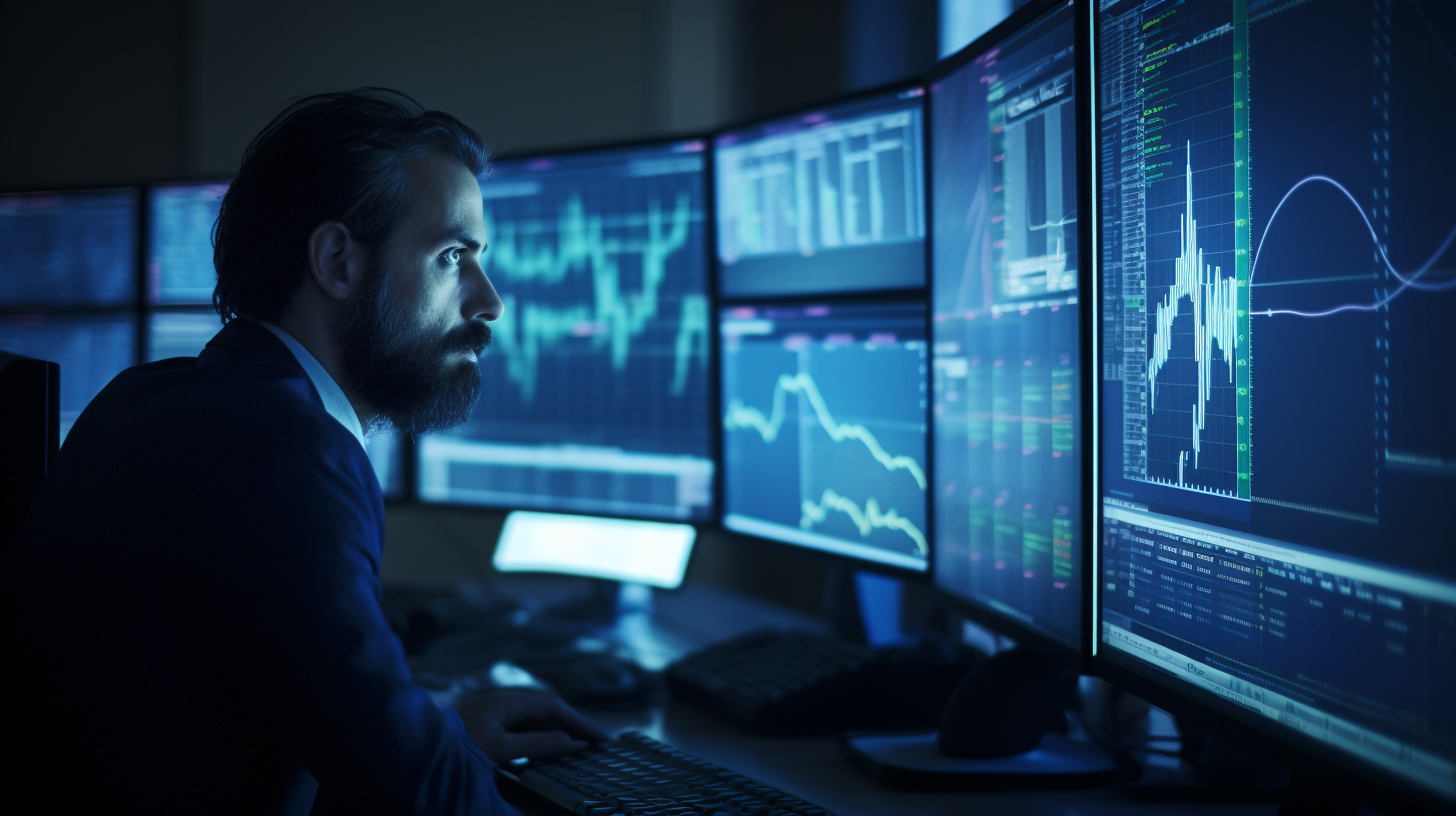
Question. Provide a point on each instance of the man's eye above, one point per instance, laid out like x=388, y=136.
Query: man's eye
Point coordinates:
x=452, y=255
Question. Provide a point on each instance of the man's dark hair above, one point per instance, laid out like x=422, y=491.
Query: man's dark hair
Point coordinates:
x=331, y=157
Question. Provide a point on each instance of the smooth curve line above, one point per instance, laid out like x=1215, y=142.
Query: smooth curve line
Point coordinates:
x=867, y=520
x=1411, y=282
x=746, y=416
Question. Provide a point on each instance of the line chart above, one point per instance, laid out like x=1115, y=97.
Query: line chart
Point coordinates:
x=615, y=317
x=824, y=413
x=867, y=520
x=1215, y=302
x=1409, y=280
x=741, y=416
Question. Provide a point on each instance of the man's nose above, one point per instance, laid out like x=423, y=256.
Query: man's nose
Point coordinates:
x=481, y=300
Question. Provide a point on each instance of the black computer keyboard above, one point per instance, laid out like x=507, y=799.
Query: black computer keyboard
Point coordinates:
x=783, y=683
x=639, y=776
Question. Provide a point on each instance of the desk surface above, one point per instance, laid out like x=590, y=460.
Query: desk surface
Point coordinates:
x=812, y=768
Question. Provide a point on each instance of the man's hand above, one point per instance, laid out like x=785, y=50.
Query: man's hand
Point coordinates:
x=513, y=723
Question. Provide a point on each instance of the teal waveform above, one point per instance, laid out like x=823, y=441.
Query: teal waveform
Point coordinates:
x=1215, y=317
x=868, y=520
x=746, y=416
x=615, y=317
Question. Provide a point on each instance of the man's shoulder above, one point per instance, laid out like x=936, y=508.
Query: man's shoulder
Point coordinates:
x=255, y=389
x=229, y=415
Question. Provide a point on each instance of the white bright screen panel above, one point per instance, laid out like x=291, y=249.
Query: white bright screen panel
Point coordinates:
x=639, y=552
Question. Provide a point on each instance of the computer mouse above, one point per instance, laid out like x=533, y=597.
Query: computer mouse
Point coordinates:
x=594, y=679
x=1005, y=706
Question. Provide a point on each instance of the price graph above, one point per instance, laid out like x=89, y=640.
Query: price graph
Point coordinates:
x=768, y=427
x=596, y=390
x=614, y=317
x=824, y=428
x=1215, y=302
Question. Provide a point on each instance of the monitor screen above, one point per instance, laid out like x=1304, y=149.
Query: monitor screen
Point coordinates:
x=68, y=249
x=180, y=333
x=830, y=200
x=1007, y=385
x=179, y=241
x=596, y=385
x=1278, y=319
x=90, y=348
x=824, y=428
x=639, y=552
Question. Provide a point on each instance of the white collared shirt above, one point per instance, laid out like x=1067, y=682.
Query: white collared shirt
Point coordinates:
x=329, y=391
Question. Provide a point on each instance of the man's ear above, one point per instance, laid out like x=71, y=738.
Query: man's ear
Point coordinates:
x=336, y=262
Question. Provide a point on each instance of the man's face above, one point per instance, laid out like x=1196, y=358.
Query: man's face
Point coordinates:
x=410, y=337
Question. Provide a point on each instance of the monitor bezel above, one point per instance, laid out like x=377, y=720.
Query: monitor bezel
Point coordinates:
x=902, y=297
x=862, y=95
x=713, y=518
x=1077, y=657
x=1344, y=772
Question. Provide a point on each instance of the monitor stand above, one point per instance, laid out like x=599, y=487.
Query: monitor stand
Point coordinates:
x=1004, y=728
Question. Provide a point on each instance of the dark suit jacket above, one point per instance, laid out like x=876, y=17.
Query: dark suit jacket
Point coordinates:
x=192, y=611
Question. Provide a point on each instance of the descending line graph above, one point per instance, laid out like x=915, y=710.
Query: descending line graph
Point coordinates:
x=866, y=520
x=824, y=413
x=615, y=317
x=741, y=416
x=1410, y=280
x=1215, y=301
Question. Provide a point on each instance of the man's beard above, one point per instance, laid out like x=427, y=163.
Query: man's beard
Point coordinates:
x=398, y=370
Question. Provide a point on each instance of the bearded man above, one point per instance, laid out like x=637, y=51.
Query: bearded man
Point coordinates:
x=192, y=610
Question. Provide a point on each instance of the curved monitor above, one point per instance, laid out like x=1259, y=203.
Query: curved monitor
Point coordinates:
x=1007, y=330
x=596, y=379
x=1278, y=313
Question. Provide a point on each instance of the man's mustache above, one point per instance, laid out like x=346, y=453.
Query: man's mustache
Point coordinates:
x=473, y=337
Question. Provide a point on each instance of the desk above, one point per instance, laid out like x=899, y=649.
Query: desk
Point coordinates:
x=812, y=768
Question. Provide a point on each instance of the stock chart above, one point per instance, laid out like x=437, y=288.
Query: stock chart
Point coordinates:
x=179, y=241
x=828, y=201
x=1278, y=291
x=75, y=248
x=1007, y=351
x=824, y=428
x=596, y=378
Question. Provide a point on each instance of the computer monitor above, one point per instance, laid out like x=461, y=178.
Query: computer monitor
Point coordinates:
x=1278, y=313
x=651, y=553
x=90, y=348
x=596, y=394
x=29, y=435
x=830, y=199
x=72, y=248
x=180, y=332
x=1007, y=332
x=180, y=218
x=824, y=428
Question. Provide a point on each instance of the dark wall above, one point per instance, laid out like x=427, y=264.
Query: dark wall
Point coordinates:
x=91, y=93
x=101, y=92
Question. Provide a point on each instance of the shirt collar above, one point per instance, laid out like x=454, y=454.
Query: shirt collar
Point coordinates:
x=329, y=391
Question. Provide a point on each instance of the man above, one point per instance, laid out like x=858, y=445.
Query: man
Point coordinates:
x=193, y=618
